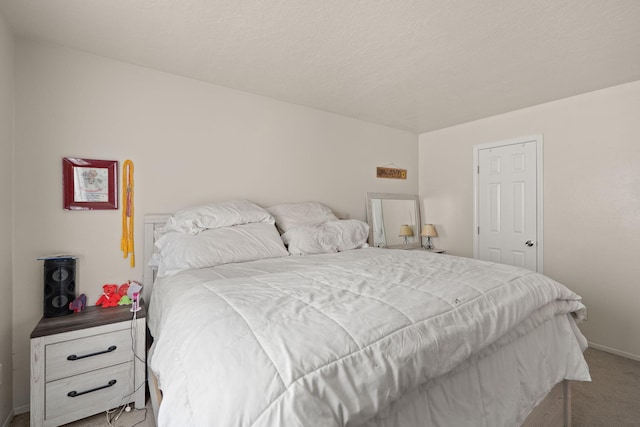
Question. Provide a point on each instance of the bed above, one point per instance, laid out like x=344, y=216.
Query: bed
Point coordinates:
x=341, y=334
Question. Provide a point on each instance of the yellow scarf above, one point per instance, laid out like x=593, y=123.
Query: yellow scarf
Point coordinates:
x=126, y=244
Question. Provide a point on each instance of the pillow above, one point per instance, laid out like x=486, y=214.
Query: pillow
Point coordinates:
x=333, y=236
x=217, y=215
x=209, y=248
x=291, y=215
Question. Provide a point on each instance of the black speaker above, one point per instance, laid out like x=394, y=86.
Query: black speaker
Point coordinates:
x=59, y=286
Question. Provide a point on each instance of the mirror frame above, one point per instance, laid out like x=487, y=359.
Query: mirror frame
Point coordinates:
x=395, y=196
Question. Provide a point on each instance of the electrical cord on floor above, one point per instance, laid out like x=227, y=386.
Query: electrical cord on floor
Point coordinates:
x=111, y=420
x=123, y=408
x=143, y=419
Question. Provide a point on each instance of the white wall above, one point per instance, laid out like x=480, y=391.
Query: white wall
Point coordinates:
x=191, y=143
x=591, y=199
x=6, y=217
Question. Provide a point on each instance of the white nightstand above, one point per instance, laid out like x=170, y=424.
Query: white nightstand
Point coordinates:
x=84, y=363
x=436, y=251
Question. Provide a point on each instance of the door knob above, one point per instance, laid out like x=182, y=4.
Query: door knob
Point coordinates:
x=528, y=243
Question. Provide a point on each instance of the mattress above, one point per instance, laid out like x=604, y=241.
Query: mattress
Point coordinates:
x=370, y=337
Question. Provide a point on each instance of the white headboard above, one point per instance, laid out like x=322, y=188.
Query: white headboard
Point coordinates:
x=151, y=223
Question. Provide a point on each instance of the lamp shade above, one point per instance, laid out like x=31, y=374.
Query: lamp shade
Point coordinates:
x=405, y=230
x=429, y=230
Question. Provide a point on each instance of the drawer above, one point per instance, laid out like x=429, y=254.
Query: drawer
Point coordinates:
x=72, y=357
x=87, y=402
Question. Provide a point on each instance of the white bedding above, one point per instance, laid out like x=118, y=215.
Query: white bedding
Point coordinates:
x=356, y=338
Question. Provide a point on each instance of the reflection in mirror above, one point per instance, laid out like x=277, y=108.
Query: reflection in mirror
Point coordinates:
x=387, y=213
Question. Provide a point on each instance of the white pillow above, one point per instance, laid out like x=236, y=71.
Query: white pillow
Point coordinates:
x=180, y=251
x=333, y=236
x=217, y=215
x=292, y=215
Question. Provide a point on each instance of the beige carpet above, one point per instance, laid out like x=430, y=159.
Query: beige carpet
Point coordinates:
x=612, y=399
x=137, y=417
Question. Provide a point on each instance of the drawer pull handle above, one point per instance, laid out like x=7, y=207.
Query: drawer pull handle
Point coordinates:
x=76, y=394
x=109, y=350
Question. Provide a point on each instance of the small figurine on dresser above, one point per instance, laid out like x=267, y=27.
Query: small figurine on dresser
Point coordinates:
x=78, y=304
x=133, y=292
x=122, y=291
x=109, y=297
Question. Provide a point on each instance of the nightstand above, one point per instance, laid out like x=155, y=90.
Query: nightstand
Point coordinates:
x=436, y=251
x=84, y=363
x=433, y=251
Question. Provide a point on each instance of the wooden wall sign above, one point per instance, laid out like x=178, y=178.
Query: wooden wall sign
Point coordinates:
x=393, y=173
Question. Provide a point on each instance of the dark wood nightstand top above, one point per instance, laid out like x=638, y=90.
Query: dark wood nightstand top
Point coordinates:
x=90, y=317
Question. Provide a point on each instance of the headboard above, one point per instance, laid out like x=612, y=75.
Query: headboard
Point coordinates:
x=151, y=223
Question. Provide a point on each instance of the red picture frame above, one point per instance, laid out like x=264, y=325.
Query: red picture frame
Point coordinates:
x=89, y=184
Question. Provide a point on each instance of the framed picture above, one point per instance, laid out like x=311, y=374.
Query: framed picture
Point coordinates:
x=89, y=184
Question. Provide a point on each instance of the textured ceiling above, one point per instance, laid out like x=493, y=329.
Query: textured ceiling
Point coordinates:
x=418, y=65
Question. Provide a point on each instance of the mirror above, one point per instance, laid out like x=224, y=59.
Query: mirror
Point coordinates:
x=387, y=213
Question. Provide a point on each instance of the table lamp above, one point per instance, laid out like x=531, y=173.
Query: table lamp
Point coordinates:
x=429, y=231
x=406, y=232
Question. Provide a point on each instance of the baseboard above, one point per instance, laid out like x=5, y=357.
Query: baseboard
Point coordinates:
x=8, y=420
x=614, y=351
x=21, y=409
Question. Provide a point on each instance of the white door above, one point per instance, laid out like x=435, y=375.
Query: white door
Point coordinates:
x=507, y=196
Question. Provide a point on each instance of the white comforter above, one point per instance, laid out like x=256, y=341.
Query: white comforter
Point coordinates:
x=332, y=340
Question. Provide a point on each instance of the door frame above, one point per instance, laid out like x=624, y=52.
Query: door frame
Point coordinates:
x=539, y=193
